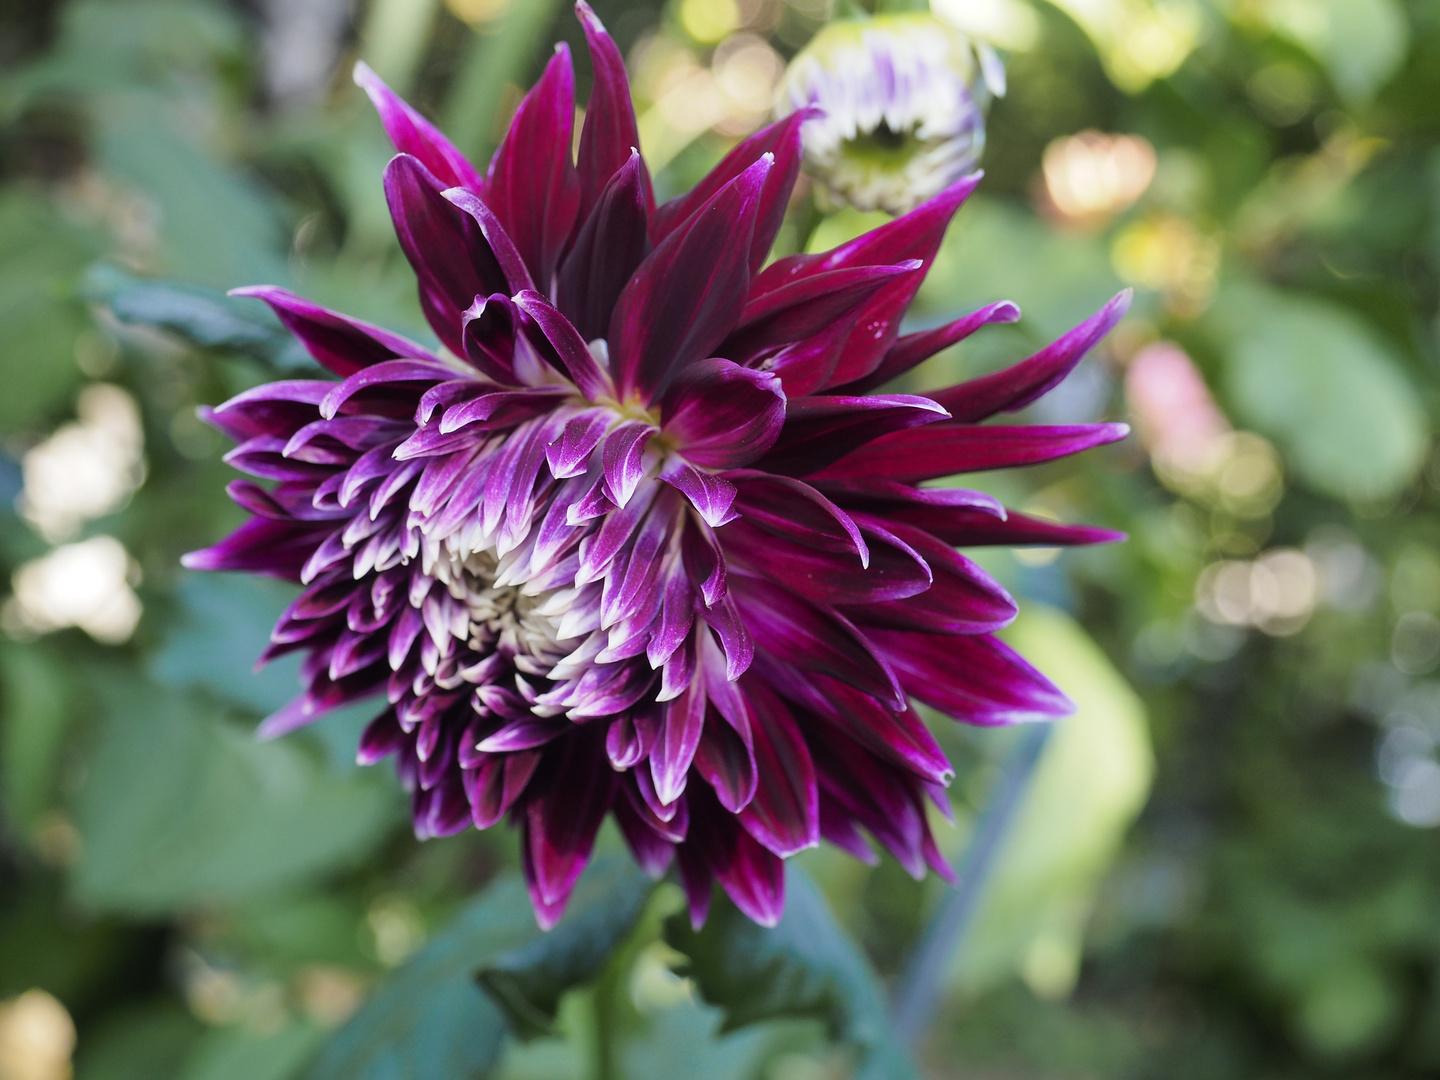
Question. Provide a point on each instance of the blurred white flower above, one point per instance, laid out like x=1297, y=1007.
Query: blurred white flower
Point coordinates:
x=902, y=100
x=88, y=585
x=87, y=468
x=37, y=1038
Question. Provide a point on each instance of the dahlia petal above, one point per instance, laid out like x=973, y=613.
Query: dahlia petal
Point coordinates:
x=752, y=876
x=898, y=736
x=821, y=430
x=517, y=274
x=279, y=549
x=413, y=134
x=390, y=371
x=966, y=527
x=876, y=795
x=962, y=599
x=710, y=495
x=447, y=249
x=795, y=510
x=727, y=764
x=735, y=638
x=339, y=343
x=971, y=677
x=610, y=245
x=277, y=409
x=836, y=827
x=688, y=293
x=569, y=455
x=705, y=564
x=895, y=571
x=781, y=139
x=629, y=738
x=697, y=878
x=524, y=734
x=813, y=638
x=623, y=456
x=610, y=131
x=950, y=447
x=532, y=185
x=798, y=310
x=323, y=696
x=720, y=415
x=381, y=738
x=679, y=738
x=563, y=815
x=677, y=618
x=575, y=358
x=653, y=853
x=913, y=349
x=784, y=814
x=915, y=235
x=1019, y=385
x=806, y=366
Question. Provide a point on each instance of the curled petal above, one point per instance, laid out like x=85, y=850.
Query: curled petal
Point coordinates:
x=413, y=134
x=720, y=415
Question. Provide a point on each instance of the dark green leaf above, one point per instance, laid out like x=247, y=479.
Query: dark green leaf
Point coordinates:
x=528, y=982
x=201, y=317
x=32, y=730
x=182, y=806
x=805, y=966
x=432, y=1020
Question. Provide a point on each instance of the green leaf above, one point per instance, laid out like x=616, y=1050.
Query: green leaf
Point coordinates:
x=804, y=967
x=1086, y=792
x=203, y=318
x=181, y=806
x=1317, y=380
x=528, y=982
x=432, y=1019
x=33, y=724
x=1361, y=43
x=137, y=1043
x=240, y=1054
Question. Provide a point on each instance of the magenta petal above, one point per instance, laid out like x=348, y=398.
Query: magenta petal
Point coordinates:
x=712, y=496
x=913, y=349
x=950, y=447
x=413, y=134
x=720, y=415
x=517, y=274
x=795, y=510
x=610, y=245
x=971, y=677
x=532, y=185
x=781, y=139
x=610, y=132
x=784, y=814
x=821, y=430
x=688, y=293
x=674, y=750
x=450, y=255
x=570, y=349
x=895, y=570
x=802, y=308
x=965, y=527
x=276, y=548
x=563, y=815
x=340, y=343
x=813, y=638
x=1019, y=385
x=652, y=851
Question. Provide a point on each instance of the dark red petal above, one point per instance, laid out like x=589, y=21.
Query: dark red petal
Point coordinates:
x=609, y=247
x=340, y=343
x=727, y=762
x=532, y=185
x=812, y=637
x=610, y=132
x=413, y=134
x=821, y=430
x=686, y=296
x=570, y=351
x=517, y=274
x=720, y=416
x=784, y=815
x=1019, y=385
x=781, y=139
x=916, y=235
x=805, y=307
x=795, y=510
x=449, y=253
x=895, y=571
x=563, y=812
x=964, y=527
x=950, y=447
x=279, y=409
x=971, y=677
x=261, y=546
x=913, y=349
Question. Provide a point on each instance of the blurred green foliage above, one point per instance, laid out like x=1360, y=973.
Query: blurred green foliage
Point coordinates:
x=1255, y=667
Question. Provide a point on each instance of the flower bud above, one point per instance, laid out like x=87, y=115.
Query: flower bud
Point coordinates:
x=901, y=102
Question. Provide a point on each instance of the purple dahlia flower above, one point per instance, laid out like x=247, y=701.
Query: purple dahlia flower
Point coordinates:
x=639, y=539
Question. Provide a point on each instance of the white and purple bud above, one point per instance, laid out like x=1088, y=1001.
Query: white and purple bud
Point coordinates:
x=901, y=101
